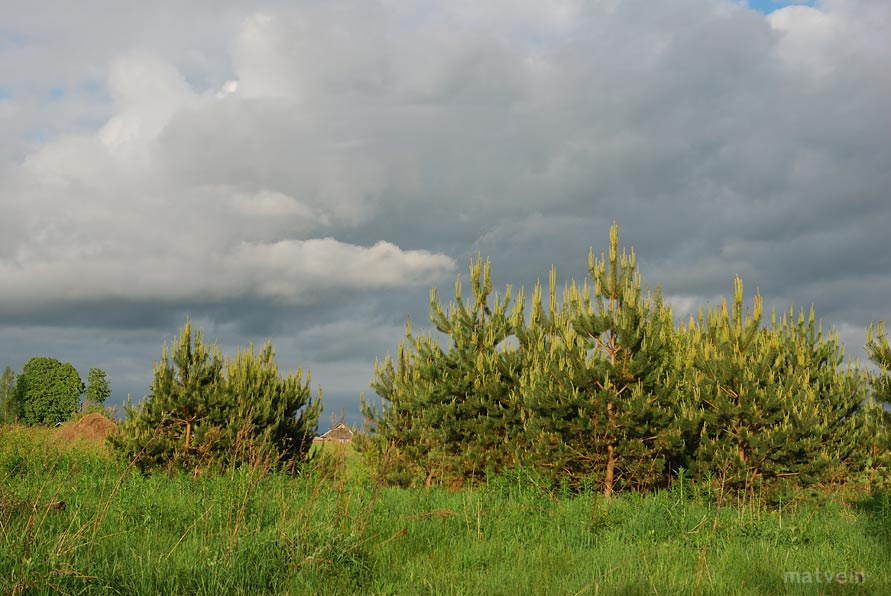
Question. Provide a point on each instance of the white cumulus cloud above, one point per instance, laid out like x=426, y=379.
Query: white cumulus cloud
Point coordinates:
x=108, y=215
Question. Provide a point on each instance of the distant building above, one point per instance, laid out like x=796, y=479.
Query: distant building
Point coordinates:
x=339, y=434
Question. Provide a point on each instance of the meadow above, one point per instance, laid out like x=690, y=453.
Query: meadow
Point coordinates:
x=75, y=520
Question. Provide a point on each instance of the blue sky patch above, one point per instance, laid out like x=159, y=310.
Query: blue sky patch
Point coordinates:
x=768, y=6
x=56, y=93
x=11, y=39
x=91, y=86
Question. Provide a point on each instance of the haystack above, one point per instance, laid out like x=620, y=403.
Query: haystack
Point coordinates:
x=92, y=427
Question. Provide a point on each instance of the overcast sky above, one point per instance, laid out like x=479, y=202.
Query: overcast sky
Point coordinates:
x=306, y=171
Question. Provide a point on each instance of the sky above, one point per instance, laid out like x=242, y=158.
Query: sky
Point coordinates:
x=305, y=172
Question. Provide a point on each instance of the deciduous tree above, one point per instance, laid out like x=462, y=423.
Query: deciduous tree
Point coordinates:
x=47, y=391
x=98, y=387
x=7, y=395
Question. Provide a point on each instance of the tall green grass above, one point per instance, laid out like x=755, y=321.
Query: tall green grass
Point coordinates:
x=76, y=521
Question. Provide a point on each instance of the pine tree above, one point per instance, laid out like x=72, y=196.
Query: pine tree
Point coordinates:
x=204, y=409
x=836, y=393
x=879, y=352
x=600, y=387
x=184, y=403
x=601, y=391
x=775, y=406
x=390, y=438
x=452, y=410
x=560, y=433
x=877, y=419
x=268, y=409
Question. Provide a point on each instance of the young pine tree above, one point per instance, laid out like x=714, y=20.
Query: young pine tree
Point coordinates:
x=451, y=411
x=602, y=389
x=205, y=409
x=879, y=352
x=877, y=419
x=268, y=410
x=186, y=401
x=831, y=424
x=775, y=406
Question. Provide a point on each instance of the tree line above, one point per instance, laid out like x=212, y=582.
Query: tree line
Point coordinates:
x=596, y=386
x=203, y=409
x=49, y=391
x=588, y=385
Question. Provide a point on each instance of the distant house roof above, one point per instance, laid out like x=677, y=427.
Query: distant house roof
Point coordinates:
x=340, y=433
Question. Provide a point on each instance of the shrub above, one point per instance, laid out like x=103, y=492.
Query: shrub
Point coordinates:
x=204, y=409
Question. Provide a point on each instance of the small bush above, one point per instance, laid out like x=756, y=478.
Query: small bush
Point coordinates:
x=205, y=410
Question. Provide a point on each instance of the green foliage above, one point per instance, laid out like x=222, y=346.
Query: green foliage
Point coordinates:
x=775, y=405
x=878, y=418
x=879, y=352
x=98, y=387
x=451, y=413
x=47, y=391
x=274, y=409
x=600, y=390
x=7, y=396
x=586, y=389
x=204, y=410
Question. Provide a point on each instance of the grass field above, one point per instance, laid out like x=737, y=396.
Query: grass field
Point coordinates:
x=75, y=521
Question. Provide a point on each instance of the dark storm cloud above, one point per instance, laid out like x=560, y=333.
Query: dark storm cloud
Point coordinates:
x=305, y=172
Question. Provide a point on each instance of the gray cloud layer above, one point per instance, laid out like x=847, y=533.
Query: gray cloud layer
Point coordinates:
x=305, y=172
